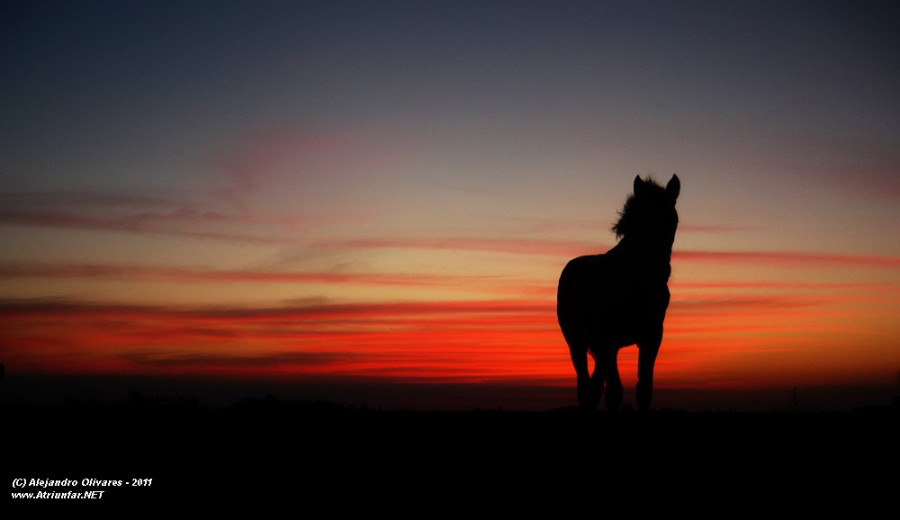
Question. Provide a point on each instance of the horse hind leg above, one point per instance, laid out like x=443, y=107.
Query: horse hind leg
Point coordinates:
x=646, y=360
x=590, y=391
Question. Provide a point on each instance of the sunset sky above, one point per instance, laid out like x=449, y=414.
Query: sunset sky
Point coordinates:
x=340, y=193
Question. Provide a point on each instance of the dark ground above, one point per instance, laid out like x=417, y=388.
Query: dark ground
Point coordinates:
x=351, y=459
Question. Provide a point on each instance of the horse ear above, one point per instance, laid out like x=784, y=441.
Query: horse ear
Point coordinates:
x=673, y=188
x=638, y=184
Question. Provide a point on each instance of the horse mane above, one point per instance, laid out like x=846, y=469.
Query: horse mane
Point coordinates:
x=628, y=213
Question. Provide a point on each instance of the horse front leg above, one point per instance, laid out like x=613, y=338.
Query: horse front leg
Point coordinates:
x=610, y=368
x=585, y=382
x=646, y=360
x=598, y=378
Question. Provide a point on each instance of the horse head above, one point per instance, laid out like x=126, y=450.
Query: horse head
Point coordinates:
x=649, y=218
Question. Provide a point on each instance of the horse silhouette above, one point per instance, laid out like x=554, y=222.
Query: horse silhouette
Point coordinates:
x=613, y=300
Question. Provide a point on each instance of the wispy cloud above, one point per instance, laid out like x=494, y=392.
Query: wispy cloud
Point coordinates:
x=786, y=258
x=567, y=248
x=86, y=200
x=13, y=270
x=784, y=286
x=724, y=304
x=138, y=215
x=523, y=246
x=313, y=311
x=141, y=224
x=256, y=159
x=206, y=361
x=710, y=229
x=604, y=228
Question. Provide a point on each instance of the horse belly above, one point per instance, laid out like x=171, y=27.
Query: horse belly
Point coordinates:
x=616, y=326
x=598, y=322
